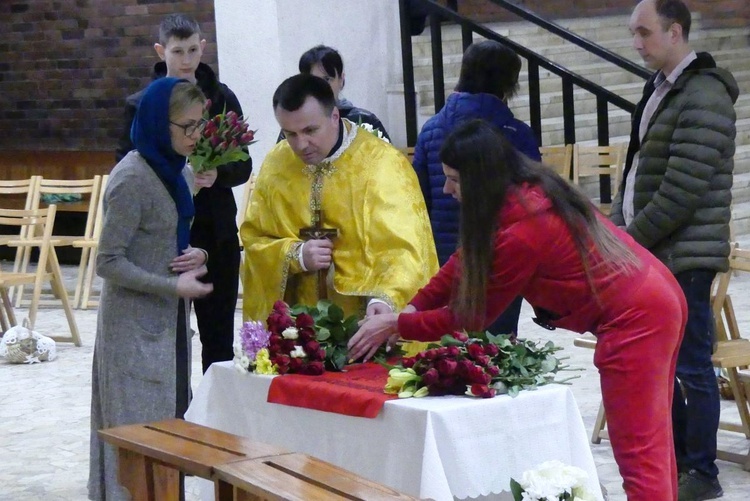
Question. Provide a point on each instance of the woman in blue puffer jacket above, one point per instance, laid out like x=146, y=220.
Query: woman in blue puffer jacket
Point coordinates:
x=489, y=78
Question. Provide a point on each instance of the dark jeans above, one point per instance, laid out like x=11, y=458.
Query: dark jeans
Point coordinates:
x=695, y=410
x=507, y=322
x=215, y=312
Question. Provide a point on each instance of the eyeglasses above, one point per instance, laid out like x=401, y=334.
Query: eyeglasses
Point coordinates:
x=191, y=129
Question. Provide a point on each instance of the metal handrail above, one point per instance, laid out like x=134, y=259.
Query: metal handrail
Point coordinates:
x=573, y=38
x=438, y=13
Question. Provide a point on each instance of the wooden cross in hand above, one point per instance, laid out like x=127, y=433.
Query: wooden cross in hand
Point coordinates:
x=318, y=232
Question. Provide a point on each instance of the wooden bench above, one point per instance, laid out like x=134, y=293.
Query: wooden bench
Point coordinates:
x=152, y=456
x=296, y=477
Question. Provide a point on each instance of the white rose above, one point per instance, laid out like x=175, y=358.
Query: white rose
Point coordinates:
x=245, y=361
x=290, y=333
x=298, y=352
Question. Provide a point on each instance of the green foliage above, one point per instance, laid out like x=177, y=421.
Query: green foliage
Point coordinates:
x=333, y=331
x=523, y=364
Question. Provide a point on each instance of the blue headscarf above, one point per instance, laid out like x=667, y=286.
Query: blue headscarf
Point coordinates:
x=150, y=135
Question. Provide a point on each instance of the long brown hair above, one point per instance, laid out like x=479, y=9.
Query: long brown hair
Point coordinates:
x=489, y=165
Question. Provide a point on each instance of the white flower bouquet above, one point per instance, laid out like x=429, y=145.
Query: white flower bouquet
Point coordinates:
x=552, y=481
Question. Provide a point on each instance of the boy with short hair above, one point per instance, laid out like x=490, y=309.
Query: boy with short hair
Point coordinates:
x=214, y=228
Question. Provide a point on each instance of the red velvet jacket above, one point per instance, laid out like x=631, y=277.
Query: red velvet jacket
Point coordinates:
x=535, y=257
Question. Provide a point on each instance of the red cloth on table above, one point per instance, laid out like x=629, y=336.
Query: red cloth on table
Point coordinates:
x=356, y=392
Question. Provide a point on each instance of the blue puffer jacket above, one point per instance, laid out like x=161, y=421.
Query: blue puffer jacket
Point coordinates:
x=460, y=107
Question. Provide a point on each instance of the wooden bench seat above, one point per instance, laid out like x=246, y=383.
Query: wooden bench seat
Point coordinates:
x=151, y=456
x=296, y=477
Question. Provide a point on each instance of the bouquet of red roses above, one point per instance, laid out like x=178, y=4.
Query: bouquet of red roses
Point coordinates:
x=222, y=141
x=292, y=346
x=479, y=365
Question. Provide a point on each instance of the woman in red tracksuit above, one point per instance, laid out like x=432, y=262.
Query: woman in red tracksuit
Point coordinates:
x=579, y=272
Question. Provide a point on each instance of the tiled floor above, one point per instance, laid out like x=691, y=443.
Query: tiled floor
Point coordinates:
x=44, y=412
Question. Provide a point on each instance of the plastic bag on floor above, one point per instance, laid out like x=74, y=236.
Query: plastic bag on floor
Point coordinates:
x=21, y=345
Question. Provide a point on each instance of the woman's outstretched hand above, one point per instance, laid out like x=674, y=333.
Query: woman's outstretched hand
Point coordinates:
x=188, y=285
x=373, y=332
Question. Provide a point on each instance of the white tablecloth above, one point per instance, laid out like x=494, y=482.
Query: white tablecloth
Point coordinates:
x=434, y=447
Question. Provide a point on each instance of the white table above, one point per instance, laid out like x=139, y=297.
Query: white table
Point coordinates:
x=434, y=447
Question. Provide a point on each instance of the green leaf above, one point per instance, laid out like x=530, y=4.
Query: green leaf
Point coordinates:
x=351, y=325
x=335, y=313
x=323, y=307
x=323, y=334
x=516, y=490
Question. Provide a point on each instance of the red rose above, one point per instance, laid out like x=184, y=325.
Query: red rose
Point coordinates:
x=304, y=320
x=321, y=354
x=312, y=347
x=408, y=362
x=491, y=349
x=475, y=350
x=315, y=368
x=461, y=336
x=430, y=377
x=281, y=307
x=446, y=366
x=482, y=360
x=482, y=390
x=453, y=351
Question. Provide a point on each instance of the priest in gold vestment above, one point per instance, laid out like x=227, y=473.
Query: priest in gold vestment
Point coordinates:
x=329, y=173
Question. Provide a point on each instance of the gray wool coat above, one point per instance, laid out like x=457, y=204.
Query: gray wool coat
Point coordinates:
x=134, y=372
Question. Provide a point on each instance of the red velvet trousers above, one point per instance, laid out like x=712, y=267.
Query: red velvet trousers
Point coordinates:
x=636, y=354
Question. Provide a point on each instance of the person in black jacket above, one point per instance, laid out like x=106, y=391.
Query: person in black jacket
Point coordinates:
x=214, y=228
x=326, y=63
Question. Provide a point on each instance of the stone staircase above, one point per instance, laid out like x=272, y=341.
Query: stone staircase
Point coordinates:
x=730, y=48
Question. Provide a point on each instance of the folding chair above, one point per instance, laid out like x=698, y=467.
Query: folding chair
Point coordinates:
x=47, y=269
x=89, y=246
x=559, y=158
x=732, y=353
x=17, y=194
x=89, y=190
x=599, y=432
x=599, y=161
x=7, y=316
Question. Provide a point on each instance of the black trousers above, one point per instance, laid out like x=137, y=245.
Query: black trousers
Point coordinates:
x=215, y=312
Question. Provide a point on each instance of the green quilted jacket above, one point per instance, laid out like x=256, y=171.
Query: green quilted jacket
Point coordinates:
x=683, y=183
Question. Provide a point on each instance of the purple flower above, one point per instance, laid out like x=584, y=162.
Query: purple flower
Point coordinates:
x=254, y=337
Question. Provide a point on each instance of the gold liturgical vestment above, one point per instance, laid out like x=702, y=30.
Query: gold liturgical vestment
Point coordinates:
x=369, y=192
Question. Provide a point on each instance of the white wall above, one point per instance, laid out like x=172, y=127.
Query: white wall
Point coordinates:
x=260, y=42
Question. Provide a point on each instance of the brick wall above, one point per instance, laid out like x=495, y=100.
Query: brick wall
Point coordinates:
x=67, y=65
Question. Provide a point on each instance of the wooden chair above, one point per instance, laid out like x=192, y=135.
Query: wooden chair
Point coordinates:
x=47, y=269
x=599, y=432
x=7, y=316
x=732, y=353
x=17, y=194
x=89, y=190
x=599, y=161
x=249, y=187
x=559, y=158
x=89, y=246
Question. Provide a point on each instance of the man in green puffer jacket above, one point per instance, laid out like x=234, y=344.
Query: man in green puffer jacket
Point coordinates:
x=675, y=200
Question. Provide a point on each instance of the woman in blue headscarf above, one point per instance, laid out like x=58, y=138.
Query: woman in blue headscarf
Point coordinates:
x=141, y=369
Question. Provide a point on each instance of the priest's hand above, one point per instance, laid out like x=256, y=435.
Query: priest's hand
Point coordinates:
x=373, y=332
x=377, y=308
x=188, y=285
x=317, y=254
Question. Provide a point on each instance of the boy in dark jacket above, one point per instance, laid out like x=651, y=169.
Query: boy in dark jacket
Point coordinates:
x=214, y=228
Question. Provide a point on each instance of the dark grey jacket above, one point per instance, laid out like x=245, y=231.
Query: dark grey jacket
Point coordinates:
x=684, y=178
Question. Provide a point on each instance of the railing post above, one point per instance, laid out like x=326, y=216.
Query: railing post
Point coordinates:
x=407, y=63
x=535, y=105
x=602, y=131
x=569, y=119
x=438, y=78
